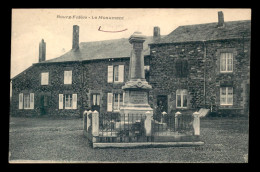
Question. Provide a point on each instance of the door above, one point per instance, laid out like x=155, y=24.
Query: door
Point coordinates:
x=162, y=105
x=95, y=102
x=43, y=104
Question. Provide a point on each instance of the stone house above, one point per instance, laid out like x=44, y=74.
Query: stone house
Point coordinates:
x=205, y=65
x=89, y=76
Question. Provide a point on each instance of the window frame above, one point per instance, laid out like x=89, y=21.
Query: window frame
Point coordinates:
x=48, y=75
x=226, y=62
x=180, y=92
x=180, y=65
x=97, y=99
x=114, y=76
x=65, y=101
x=120, y=101
x=227, y=96
x=66, y=80
x=26, y=96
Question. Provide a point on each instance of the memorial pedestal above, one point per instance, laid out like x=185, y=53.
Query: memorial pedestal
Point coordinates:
x=137, y=88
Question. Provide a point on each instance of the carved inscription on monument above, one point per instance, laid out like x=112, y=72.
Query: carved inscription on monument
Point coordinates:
x=138, y=97
x=138, y=45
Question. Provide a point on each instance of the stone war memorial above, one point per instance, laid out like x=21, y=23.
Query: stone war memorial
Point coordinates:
x=135, y=125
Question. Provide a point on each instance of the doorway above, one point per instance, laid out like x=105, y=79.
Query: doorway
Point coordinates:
x=162, y=106
x=162, y=103
x=43, y=104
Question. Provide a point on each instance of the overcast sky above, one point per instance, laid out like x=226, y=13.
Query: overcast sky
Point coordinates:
x=29, y=26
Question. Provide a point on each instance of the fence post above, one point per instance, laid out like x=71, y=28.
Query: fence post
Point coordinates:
x=148, y=123
x=95, y=123
x=162, y=118
x=176, y=120
x=88, y=119
x=85, y=120
x=196, y=123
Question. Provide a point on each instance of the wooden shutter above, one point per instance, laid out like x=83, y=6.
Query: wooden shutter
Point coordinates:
x=109, y=102
x=109, y=74
x=60, y=101
x=31, y=100
x=121, y=73
x=65, y=77
x=74, y=101
x=45, y=78
x=178, y=66
x=42, y=79
x=184, y=68
x=223, y=62
x=69, y=77
x=21, y=101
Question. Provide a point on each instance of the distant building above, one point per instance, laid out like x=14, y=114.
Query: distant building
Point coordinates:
x=195, y=66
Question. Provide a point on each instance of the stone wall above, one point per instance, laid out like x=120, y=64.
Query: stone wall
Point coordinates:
x=29, y=81
x=95, y=79
x=164, y=81
x=87, y=77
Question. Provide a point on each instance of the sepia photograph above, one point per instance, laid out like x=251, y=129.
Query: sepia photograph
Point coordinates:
x=132, y=85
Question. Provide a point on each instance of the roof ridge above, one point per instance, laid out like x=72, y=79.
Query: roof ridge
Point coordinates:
x=206, y=31
x=213, y=23
x=110, y=40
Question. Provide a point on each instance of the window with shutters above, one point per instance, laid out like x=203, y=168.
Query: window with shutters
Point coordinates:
x=118, y=101
x=181, y=98
x=115, y=74
x=68, y=101
x=45, y=78
x=226, y=62
x=68, y=77
x=226, y=96
x=181, y=66
x=26, y=101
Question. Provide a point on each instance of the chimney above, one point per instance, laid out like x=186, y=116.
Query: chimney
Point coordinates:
x=156, y=33
x=42, y=51
x=220, y=19
x=75, y=37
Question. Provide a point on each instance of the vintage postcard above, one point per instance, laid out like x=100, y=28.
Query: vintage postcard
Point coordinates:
x=130, y=85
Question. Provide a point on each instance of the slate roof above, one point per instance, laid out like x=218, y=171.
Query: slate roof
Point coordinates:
x=117, y=48
x=209, y=31
x=121, y=48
